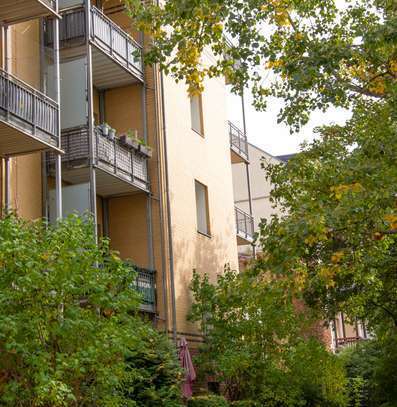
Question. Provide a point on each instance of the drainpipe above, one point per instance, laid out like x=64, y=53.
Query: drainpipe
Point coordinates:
x=91, y=139
x=247, y=169
x=161, y=206
x=57, y=78
x=149, y=220
x=169, y=223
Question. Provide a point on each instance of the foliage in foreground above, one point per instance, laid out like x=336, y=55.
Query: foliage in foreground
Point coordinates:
x=69, y=328
x=207, y=401
x=336, y=240
x=311, y=54
x=258, y=345
x=371, y=369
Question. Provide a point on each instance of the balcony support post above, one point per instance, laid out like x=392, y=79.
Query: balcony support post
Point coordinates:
x=7, y=160
x=7, y=176
x=91, y=135
x=57, y=87
x=58, y=185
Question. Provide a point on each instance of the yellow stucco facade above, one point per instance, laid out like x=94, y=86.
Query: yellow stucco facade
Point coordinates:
x=155, y=228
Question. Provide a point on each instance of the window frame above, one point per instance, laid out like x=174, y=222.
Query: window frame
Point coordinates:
x=206, y=233
x=200, y=114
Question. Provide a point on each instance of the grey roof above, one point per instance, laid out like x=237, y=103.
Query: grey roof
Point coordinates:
x=285, y=157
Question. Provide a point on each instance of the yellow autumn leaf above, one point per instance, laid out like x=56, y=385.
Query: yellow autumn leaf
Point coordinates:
x=393, y=66
x=337, y=256
x=311, y=240
x=275, y=64
x=391, y=219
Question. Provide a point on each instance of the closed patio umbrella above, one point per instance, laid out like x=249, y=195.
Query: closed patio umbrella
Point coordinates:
x=187, y=364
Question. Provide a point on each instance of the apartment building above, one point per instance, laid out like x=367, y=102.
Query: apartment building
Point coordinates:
x=86, y=127
x=254, y=197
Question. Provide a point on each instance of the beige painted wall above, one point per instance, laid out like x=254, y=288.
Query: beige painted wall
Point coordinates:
x=128, y=228
x=206, y=159
x=26, y=185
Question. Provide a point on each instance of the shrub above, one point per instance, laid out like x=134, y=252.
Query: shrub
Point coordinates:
x=371, y=368
x=245, y=403
x=155, y=374
x=69, y=322
x=255, y=345
x=207, y=401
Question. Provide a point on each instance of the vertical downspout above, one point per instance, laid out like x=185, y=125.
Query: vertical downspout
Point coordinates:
x=247, y=169
x=91, y=140
x=161, y=205
x=149, y=220
x=169, y=223
x=57, y=78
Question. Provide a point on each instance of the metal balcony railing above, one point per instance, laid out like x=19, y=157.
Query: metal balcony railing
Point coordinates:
x=146, y=286
x=238, y=141
x=105, y=34
x=109, y=155
x=244, y=225
x=348, y=342
x=115, y=41
x=28, y=109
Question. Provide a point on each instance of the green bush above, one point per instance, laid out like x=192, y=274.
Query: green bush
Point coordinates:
x=371, y=368
x=155, y=374
x=245, y=403
x=70, y=332
x=207, y=401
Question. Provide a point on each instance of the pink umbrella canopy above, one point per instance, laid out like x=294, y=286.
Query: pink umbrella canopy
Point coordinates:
x=187, y=364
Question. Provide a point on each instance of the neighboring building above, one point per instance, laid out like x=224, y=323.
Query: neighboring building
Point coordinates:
x=257, y=194
x=345, y=334
x=341, y=333
x=77, y=86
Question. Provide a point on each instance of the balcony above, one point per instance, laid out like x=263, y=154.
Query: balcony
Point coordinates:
x=15, y=11
x=244, y=226
x=120, y=170
x=238, y=144
x=116, y=56
x=348, y=342
x=146, y=286
x=28, y=118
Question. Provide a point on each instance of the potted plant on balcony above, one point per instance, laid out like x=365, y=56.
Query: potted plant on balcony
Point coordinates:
x=105, y=129
x=144, y=149
x=130, y=139
x=112, y=134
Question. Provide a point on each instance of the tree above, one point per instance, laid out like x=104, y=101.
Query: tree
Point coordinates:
x=258, y=343
x=68, y=319
x=336, y=240
x=312, y=54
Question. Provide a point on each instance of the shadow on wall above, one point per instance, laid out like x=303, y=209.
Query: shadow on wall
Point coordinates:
x=203, y=254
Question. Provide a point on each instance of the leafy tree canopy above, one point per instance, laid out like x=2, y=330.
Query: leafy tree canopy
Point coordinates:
x=310, y=53
x=336, y=240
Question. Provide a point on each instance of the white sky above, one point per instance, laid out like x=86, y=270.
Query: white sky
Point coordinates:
x=264, y=131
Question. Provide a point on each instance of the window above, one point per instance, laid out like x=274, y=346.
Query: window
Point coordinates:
x=196, y=114
x=202, y=208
